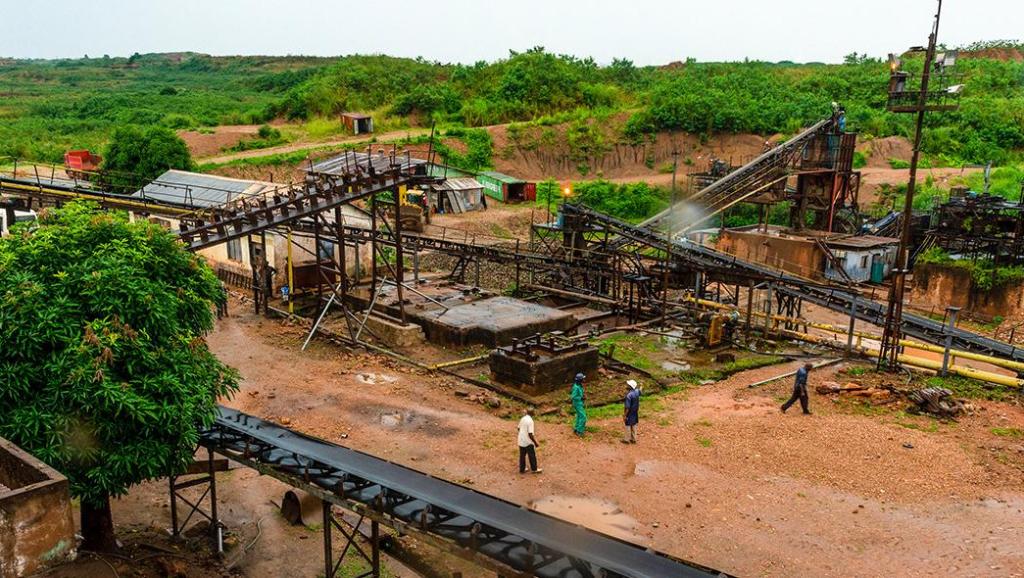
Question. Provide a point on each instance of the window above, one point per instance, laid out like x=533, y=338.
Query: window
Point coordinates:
x=326, y=250
x=235, y=250
x=864, y=262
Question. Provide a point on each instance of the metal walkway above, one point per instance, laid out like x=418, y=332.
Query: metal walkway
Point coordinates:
x=488, y=530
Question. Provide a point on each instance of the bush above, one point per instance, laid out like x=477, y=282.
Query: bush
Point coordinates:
x=135, y=154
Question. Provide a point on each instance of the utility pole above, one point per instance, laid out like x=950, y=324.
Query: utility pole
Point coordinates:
x=889, y=353
x=668, y=241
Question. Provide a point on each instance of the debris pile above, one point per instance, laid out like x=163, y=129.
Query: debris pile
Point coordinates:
x=937, y=401
x=876, y=395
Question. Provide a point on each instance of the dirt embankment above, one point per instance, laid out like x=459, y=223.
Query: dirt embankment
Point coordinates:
x=600, y=151
x=878, y=151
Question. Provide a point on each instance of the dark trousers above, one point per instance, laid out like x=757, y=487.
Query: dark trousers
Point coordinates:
x=798, y=393
x=528, y=451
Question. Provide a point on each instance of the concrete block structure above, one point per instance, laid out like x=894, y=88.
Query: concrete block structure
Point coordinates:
x=36, y=527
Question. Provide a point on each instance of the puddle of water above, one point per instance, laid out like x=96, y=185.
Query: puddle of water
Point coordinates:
x=674, y=366
x=394, y=418
x=600, y=515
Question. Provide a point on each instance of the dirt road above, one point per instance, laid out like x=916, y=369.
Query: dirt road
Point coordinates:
x=719, y=476
x=302, y=146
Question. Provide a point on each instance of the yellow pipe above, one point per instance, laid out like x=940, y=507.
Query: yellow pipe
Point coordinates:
x=954, y=353
x=1008, y=364
x=922, y=363
x=459, y=362
x=961, y=370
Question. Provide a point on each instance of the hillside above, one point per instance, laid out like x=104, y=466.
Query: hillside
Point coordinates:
x=51, y=106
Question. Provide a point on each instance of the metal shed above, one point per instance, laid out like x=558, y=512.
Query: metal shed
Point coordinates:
x=357, y=122
x=457, y=195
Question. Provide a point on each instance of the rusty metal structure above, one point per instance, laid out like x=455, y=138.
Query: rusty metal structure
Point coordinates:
x=973, y=226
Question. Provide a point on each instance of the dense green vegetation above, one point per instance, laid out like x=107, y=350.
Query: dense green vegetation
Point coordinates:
x=50, y=106
x=135, y=153
x=106, y=373
x=984, y=274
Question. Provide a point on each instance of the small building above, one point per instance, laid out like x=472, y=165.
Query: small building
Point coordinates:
x=357, y=122
x=457, y=195
x=496, y=185
x=505, y=188
x=36, y=526
x=234, y=259
x=864, y=258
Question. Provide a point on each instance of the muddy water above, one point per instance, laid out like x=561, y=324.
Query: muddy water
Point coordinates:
x=600, y=515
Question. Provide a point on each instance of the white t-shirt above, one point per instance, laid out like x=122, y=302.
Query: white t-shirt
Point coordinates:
x=525, y=429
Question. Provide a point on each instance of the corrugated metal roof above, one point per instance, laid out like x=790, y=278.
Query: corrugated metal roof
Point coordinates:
x=355, y=115
x=862, y=242
x=502, y=177
x=199, y=190
x=460, y=184
x=345, y=163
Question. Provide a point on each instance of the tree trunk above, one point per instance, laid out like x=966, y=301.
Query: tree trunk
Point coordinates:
x=98, y=527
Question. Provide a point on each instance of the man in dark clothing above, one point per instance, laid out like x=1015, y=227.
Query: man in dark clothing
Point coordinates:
x=799, y=389
x=631, y=411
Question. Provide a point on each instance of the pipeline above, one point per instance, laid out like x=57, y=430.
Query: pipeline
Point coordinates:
x=920, y=362
x=954, y=353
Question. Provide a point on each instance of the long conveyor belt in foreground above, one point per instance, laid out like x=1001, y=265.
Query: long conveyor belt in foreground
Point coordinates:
x=410, y=501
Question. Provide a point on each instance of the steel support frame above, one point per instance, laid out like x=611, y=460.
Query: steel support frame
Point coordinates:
x=209, y=479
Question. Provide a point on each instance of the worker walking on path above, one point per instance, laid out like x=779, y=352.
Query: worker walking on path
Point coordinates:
x=527, y=443
x=577, y=396
x=631, y=411
x=800, y=389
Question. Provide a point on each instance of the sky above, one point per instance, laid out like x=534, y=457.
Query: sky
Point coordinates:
x=644, y=31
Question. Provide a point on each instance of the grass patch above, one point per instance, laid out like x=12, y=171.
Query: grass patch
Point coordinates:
x=972, y=388
x=702, y=375
x=1008, y=432
x=703, y=441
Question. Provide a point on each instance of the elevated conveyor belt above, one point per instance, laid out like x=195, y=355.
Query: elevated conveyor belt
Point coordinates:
x=839, y=300
x=475, y=523
x=748, y=179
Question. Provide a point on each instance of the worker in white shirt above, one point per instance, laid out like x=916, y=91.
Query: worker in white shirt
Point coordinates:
x=527, y=443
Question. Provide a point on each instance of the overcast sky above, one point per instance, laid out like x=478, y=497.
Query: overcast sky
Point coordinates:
x=645, y=31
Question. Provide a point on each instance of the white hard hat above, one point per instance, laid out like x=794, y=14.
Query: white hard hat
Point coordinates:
x=632, y=383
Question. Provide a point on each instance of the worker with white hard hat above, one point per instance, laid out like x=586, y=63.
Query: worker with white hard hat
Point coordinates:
x=631, y=411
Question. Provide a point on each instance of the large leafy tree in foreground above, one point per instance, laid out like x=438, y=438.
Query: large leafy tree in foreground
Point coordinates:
x=104, y=370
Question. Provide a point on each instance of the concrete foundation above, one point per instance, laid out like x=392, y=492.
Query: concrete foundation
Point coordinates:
x=541, y=371
x=393, y=333
x=459, y=315
x=36, y=527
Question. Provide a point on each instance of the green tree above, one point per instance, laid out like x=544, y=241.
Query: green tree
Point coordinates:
x=135, y=154
x=105, y=370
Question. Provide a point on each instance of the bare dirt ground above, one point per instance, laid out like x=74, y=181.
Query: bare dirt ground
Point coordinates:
x=719, y=476
x=872, y=178
x=202, y=144
x=309, y=145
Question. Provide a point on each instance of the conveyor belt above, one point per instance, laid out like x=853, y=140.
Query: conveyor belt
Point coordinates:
x=511, y=535
x=838, y=300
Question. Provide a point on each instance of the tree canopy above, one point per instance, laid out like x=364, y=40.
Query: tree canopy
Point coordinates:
x=107, y=376
x=146, y=152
